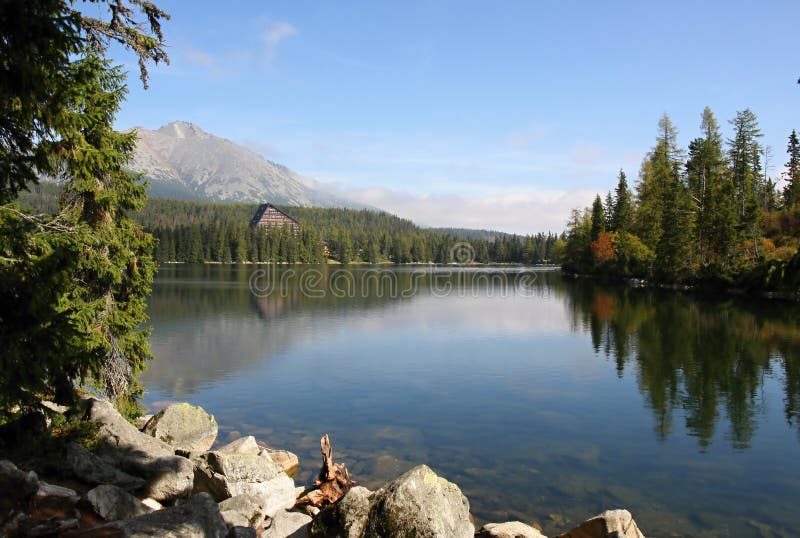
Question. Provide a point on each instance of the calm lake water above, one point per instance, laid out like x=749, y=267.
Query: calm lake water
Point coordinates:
x=545, y=399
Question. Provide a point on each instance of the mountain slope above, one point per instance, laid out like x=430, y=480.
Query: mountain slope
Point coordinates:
x=182, y=161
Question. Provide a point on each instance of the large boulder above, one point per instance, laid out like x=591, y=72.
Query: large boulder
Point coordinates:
x=243, y=510
x=242, y=445
x=113, y=503
x=184, y=427
x=227, y=475
x=345, y=518
x=120, y=444
x=90, y=469
x=291, y=524
x=510, y=529
x=609, y=524
x=419, y=504
x=198, y=517
x=288, y=461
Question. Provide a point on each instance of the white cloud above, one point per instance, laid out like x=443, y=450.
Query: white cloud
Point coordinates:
x=510, y=210
x=273, y=34
x=262, y=52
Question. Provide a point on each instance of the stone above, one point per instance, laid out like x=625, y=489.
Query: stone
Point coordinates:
x=167, y=476
x=287, y=524
x=198, y=517
x=113, y=503
x=152, y=503
x=184, y=426
x=510, y=529
x=243, y=445
x=242, y=532
x=419, y=504
x=90, y=469
x=346, y=518
x=227, y=475
x=244, y=510
x=609, y=524
x=288, y=461
x=51, y=490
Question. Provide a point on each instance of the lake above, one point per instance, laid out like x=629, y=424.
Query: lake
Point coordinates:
x=546, y=399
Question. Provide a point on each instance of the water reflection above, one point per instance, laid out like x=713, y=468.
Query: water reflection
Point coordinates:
x=707, y=358
x=532, y=403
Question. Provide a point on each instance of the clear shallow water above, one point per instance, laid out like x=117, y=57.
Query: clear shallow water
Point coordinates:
x=548, y=401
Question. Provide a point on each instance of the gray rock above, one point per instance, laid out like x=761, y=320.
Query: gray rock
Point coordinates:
x=242, y=532
x=288, y=524
x=243, y=445
x=16, y=487
x=198, y=517
x=288, y=461
x=346, y=518
x=113, y=503
x=167, y=476
x=228, y=475
x=609, y=524
x=419, y=504
x=51, y=490
x=244, y=510
x=510, y=529
x=184, y=426
x=88, y=468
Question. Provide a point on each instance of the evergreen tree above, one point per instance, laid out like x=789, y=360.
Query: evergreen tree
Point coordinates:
x=745, y=159
x=608, y=210
x=791, y=193
x=598, y=218
x=621, y=216
x=72, y=287
x=659, y=171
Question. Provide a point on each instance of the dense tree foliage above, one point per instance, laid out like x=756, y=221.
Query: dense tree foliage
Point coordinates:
x=192, y=231
x=73, y=284
x=711, y=215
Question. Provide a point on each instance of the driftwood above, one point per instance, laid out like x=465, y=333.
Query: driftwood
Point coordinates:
x=333, y=480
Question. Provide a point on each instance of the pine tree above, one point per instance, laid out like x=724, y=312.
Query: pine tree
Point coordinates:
x=791, y=192
x=78, y=282
x=622, y=212
x=598, y=218
x=745, y=160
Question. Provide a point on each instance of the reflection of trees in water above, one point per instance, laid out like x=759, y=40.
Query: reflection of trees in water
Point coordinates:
x=695, y=355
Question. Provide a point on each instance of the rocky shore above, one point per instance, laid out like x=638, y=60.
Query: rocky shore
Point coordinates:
x=166, y=478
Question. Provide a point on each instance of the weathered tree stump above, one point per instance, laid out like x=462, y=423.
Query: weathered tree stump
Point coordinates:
x=333, y=480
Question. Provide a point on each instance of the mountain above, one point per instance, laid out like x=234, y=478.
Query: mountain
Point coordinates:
x=182, y=161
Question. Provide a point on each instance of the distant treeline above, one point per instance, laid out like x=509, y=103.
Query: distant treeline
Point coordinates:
x=195, y=231
x=708, y=215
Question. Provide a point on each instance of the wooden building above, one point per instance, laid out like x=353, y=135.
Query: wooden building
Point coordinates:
x=268, y=216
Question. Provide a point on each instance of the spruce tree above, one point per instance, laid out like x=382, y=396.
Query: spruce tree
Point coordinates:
x=598, y=218
x=791, y=192
x=745, y=160
x=73, y=287
x=622, y=212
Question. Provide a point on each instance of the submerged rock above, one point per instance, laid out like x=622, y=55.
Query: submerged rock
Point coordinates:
x=184, y=426
x=167, y=476
x=419, y=504
x=510, y=529
x=609, y=524
x=345, y=518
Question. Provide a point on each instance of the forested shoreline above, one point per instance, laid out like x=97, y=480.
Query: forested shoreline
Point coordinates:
x=196, y=232
x=710, y=216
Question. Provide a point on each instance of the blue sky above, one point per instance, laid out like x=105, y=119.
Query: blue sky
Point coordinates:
x=481, y=114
